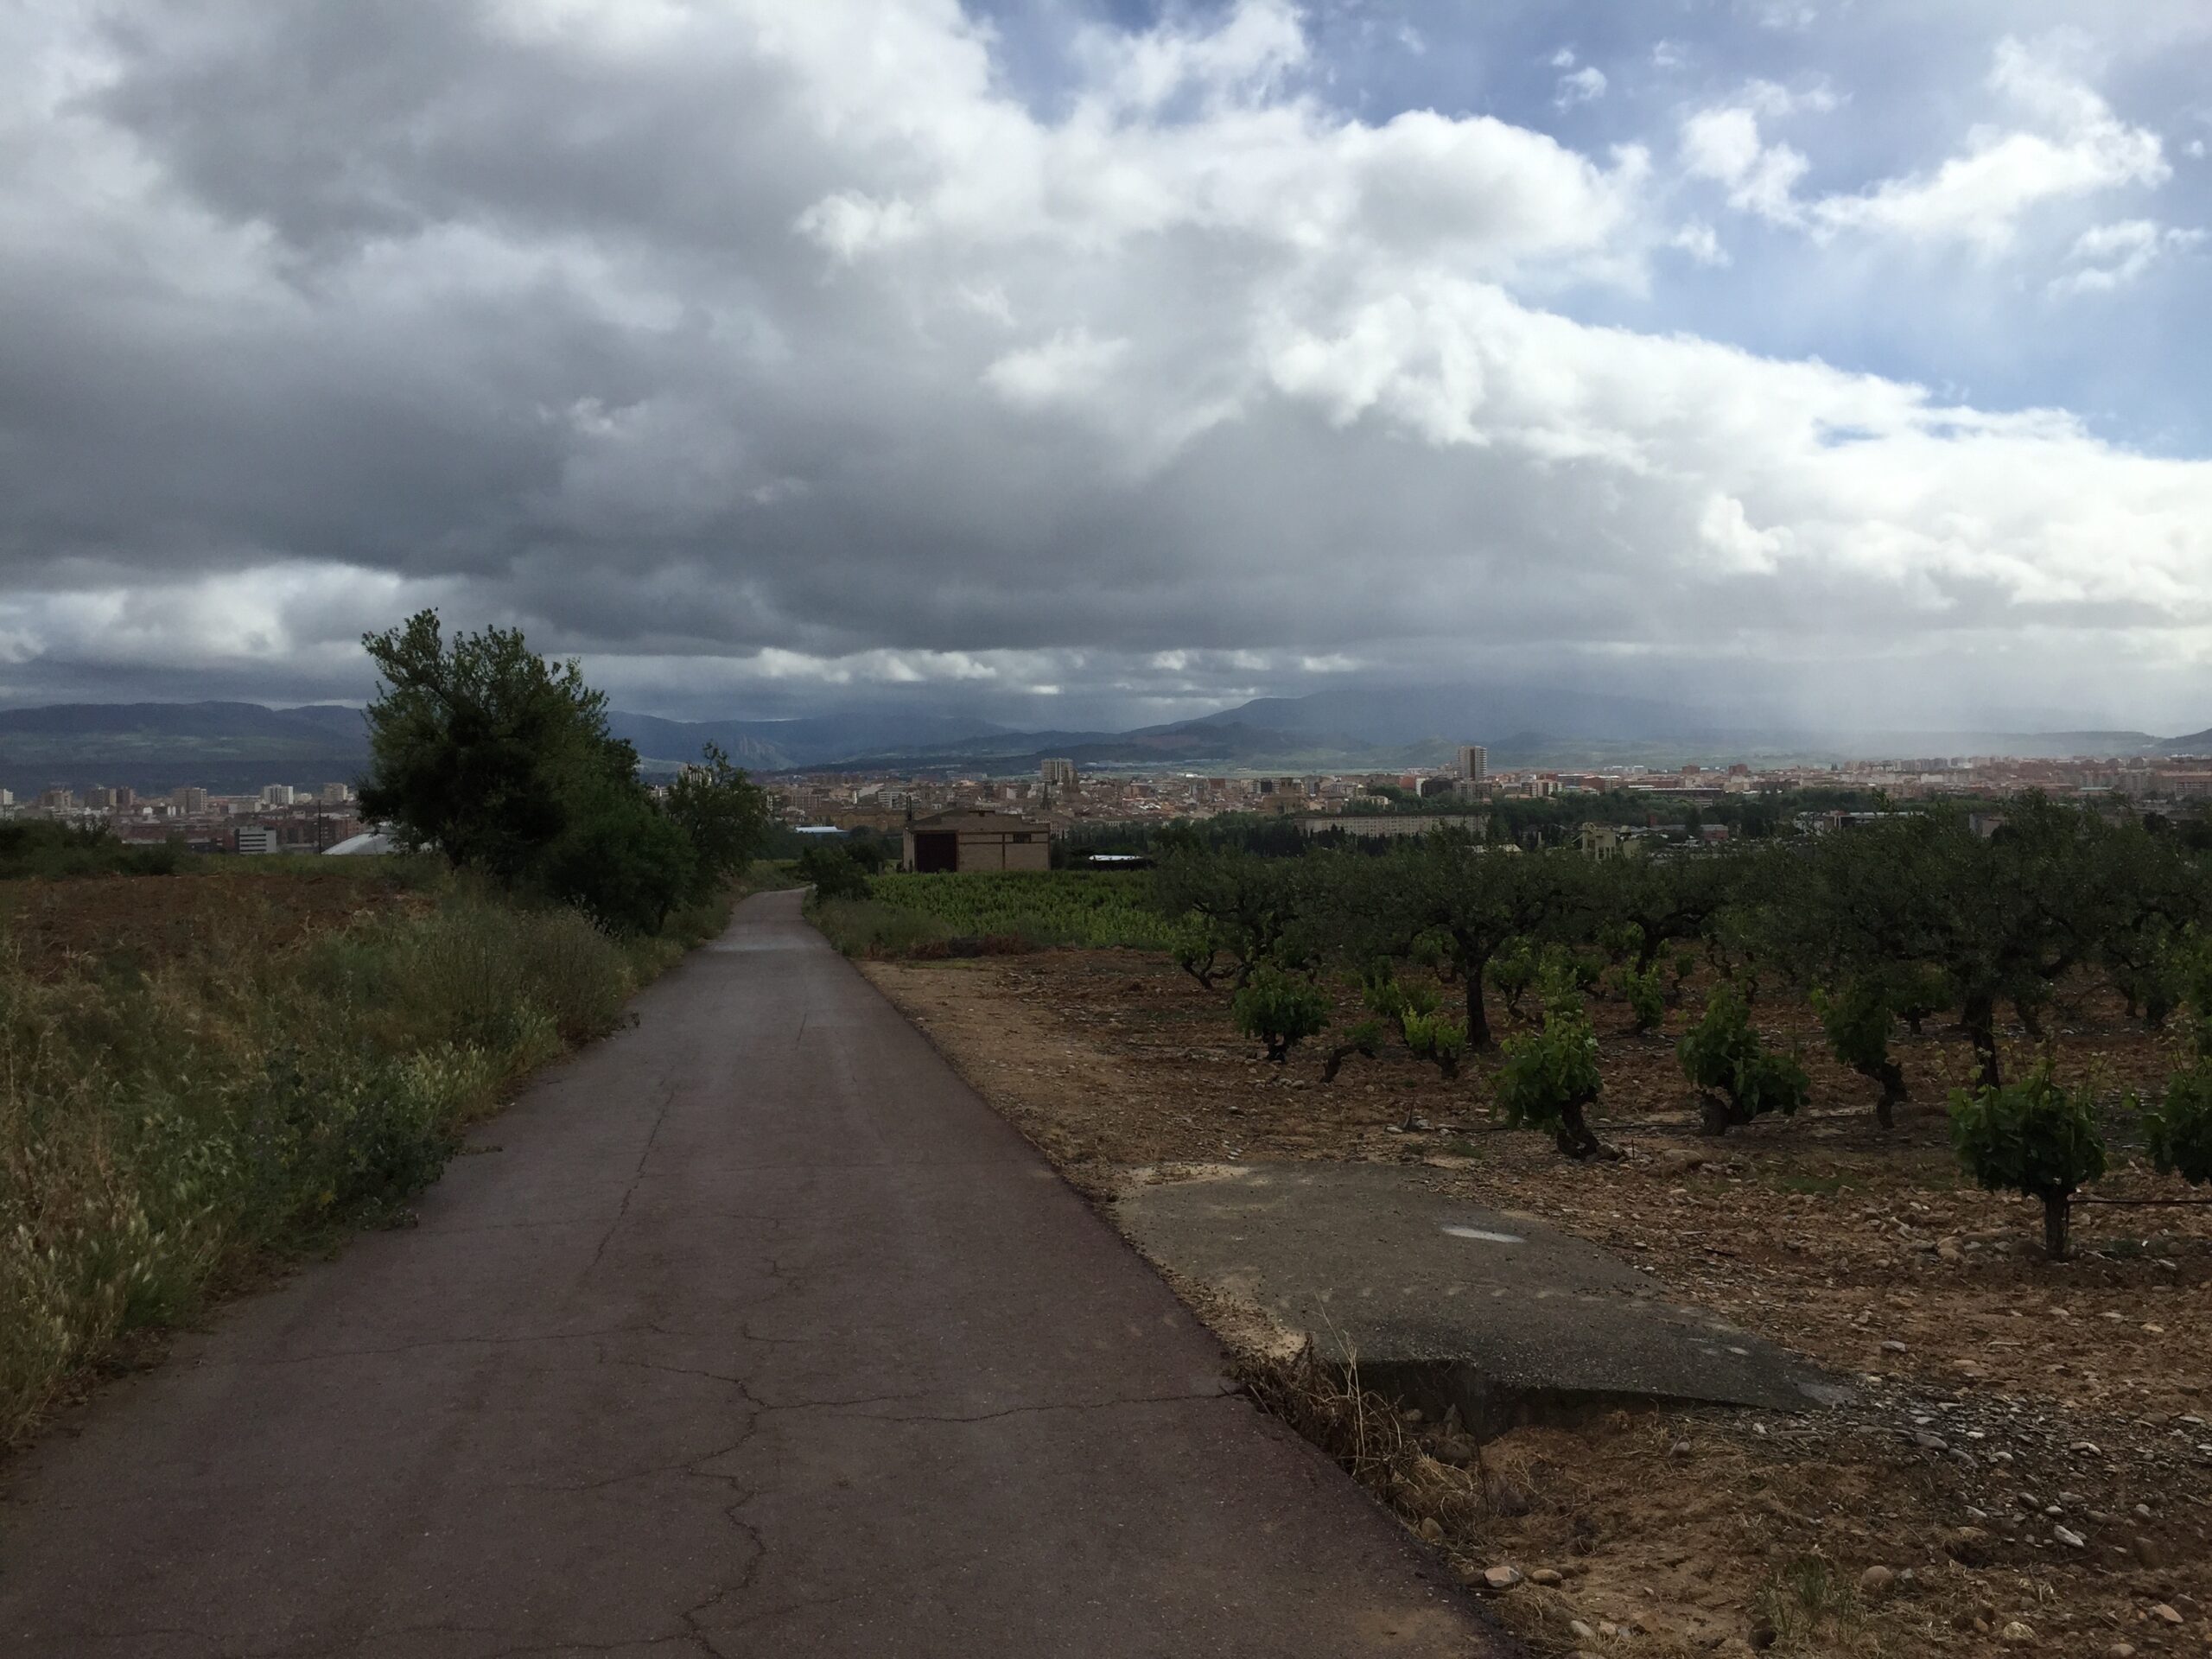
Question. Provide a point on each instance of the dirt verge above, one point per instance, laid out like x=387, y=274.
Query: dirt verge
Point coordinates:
x=2028, y=1467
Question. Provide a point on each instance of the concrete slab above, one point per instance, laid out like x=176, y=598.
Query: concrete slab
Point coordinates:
x=1444, y=1302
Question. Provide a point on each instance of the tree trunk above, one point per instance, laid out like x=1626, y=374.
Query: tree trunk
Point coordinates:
x=1576, y=1138
x=2031, y=1017
x=2056, y=1212
x=1892, y=1078
x=1979, y=1016
x=1479, y=1037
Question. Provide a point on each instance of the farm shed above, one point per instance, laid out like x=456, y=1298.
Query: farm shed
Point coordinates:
x=977, y=840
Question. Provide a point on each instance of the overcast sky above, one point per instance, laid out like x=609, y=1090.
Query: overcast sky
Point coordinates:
x=1090, y=361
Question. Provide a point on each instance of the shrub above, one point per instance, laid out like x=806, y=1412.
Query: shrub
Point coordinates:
x=245, y=1094
x=622, y=862
x=1730, y=1064
x=1513, y=971
x=865, y=927
x=1414, y=1007
x=1621, y=941
x=1858, y=1020
x=2031, y=1137
x=1550, y=1078
x=2180, y=1131
x=1646, y=991
x=1436, y=1038
x=1279, y=1011
x=832, y=872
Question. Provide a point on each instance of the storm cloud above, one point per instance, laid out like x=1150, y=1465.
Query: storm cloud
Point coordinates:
x=773, y=355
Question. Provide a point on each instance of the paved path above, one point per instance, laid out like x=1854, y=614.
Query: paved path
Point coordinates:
x=751, y=1332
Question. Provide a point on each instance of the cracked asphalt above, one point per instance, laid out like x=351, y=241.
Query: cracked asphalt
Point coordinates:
x=752, y=1331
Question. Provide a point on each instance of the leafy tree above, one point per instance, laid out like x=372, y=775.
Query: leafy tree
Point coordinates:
x=2153, y=894
x=1670, y=900
x=484, y=750
x=502, y=761
x=1858, y=1020
x=1549, y=1078
x=1730, y=1064
x=1238, y=908
x=1279, y=1010
x=832, y=872
x=1467, y=900
x=2179, y=1132
x=2031, y=1137
x=723, y=813
x=620, y=861
x=2001, y=920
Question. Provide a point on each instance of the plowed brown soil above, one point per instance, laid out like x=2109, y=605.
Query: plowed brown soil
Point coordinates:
x=2007, y=1405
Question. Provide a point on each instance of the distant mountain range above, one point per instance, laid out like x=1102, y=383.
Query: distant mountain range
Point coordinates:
x=233, y=746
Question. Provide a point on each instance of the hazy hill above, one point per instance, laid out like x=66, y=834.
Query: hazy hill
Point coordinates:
x=234, y=746
x=152, y=746
x=776, y=745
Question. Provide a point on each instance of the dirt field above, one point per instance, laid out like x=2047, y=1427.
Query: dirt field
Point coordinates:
x=109, y=921
x=2028, y=1467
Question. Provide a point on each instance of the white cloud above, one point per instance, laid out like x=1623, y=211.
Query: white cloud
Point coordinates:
x=1699, y=241
x=1792, y=15
x=1583, y=85
x=2079, y=147
x=785, y=338
x=1724, y=144
x=2111, y=257
x=1071, y=368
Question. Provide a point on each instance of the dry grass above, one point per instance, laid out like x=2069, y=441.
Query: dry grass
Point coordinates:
x=248, y=1073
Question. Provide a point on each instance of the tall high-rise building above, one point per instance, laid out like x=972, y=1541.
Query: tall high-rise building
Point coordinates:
x=188, y=799
x=1056, y=771
x=276, y=795
x=1474, y=763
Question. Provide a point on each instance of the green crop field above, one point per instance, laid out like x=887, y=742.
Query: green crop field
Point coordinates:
x=1058, y=907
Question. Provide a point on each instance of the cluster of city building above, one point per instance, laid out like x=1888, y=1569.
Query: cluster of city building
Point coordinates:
x=278, y=818
x=1063, y=795
x=281, y=819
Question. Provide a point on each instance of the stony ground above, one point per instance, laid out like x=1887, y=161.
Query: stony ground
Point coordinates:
x=2028, y=1465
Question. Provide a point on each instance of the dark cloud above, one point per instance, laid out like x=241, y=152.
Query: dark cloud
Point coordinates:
x=775, y=357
